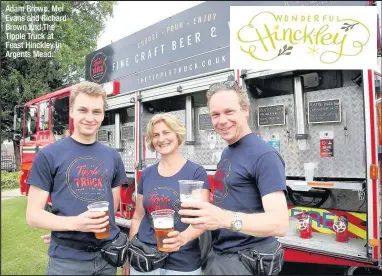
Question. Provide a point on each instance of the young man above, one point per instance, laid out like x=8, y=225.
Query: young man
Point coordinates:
x=75, y=172
x=249, y=206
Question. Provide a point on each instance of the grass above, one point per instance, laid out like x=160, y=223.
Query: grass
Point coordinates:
x=22, y=250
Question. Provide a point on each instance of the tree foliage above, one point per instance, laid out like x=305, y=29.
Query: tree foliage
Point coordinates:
x=25, y=78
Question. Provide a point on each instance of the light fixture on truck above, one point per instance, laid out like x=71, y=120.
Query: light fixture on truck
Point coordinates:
x=111, y=88
x=357, y=80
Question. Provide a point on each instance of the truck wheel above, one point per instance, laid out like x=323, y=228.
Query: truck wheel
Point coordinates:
x=356, y=270
x=205, y=244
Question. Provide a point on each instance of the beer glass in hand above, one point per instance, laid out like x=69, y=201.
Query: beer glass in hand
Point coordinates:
x=190, y=190
x=101, y=206
x=163, y=221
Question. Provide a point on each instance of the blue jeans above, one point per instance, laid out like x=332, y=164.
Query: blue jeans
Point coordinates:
x=97, y=266
x=161, y=271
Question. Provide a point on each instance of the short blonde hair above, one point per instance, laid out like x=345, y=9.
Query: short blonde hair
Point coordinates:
x=227, y=86
x=91, y=89
x=171, y=121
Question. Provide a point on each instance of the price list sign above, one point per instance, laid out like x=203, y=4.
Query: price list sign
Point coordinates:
x=326, y=111
x=271, y=115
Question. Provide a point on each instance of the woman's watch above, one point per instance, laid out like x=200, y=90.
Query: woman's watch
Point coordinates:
x=236, y=223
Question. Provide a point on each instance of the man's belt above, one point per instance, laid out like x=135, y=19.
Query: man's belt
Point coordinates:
x=79, y=245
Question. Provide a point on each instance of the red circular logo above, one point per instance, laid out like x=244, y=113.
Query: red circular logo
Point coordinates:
x=98, y=67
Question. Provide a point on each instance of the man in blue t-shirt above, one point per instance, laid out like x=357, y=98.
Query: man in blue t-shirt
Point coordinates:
x=75, y=172
x=249, y=206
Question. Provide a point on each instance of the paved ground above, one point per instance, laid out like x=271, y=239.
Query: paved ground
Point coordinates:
x=9, y=194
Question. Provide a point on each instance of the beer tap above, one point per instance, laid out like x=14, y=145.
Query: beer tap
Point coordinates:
x=287, y=126
x=346, y=132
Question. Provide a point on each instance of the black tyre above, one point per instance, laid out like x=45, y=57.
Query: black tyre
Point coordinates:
x=355, y=270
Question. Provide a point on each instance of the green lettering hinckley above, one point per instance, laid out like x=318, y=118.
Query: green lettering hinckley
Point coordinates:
x=267, y=35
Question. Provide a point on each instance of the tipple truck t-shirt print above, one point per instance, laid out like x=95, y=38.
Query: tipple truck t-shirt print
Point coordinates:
x=76, y=175
x=86, y=178
x=161, y=192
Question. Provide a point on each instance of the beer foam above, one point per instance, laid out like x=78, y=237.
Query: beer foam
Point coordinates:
x=163, y=223
x=192, y=197
x=99, y=209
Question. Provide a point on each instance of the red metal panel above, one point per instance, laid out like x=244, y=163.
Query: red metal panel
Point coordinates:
x=23, y=178
x=297, y=256
x=373, y=159
x=51, y=95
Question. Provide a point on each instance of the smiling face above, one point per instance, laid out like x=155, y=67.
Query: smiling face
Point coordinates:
x=229, y=118
x=87, y=113
x=165, y=141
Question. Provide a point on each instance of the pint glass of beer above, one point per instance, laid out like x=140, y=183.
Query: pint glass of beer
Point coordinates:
x=190, y=190
x=163, y=224
x=101, y=206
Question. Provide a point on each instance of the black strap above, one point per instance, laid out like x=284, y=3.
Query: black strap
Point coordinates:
x=77, y=245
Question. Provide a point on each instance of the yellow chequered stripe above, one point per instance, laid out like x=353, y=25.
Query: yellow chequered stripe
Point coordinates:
x=358, y=215
x=357, y=231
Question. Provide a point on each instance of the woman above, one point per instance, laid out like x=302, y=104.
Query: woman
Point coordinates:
x=159, y=189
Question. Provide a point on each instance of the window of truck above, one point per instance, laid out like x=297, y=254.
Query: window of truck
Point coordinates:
x=30, y=123
x=60, y=118
x=44, y=116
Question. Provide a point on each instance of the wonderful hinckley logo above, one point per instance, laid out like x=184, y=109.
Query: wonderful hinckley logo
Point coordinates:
x=98, y=67
x=303, y=37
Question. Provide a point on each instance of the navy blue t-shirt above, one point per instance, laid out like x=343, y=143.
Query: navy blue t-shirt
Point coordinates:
x=163, y=193
x=76, y=175
x=248, y=170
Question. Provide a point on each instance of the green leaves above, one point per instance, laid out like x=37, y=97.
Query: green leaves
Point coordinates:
x=284, y=50
x=348, y=27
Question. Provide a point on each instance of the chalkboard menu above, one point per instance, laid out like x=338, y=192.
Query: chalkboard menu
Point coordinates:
x=127, y=133
x=327, y=111
x=271, y=115
x=205, y=122
x=102, y=135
